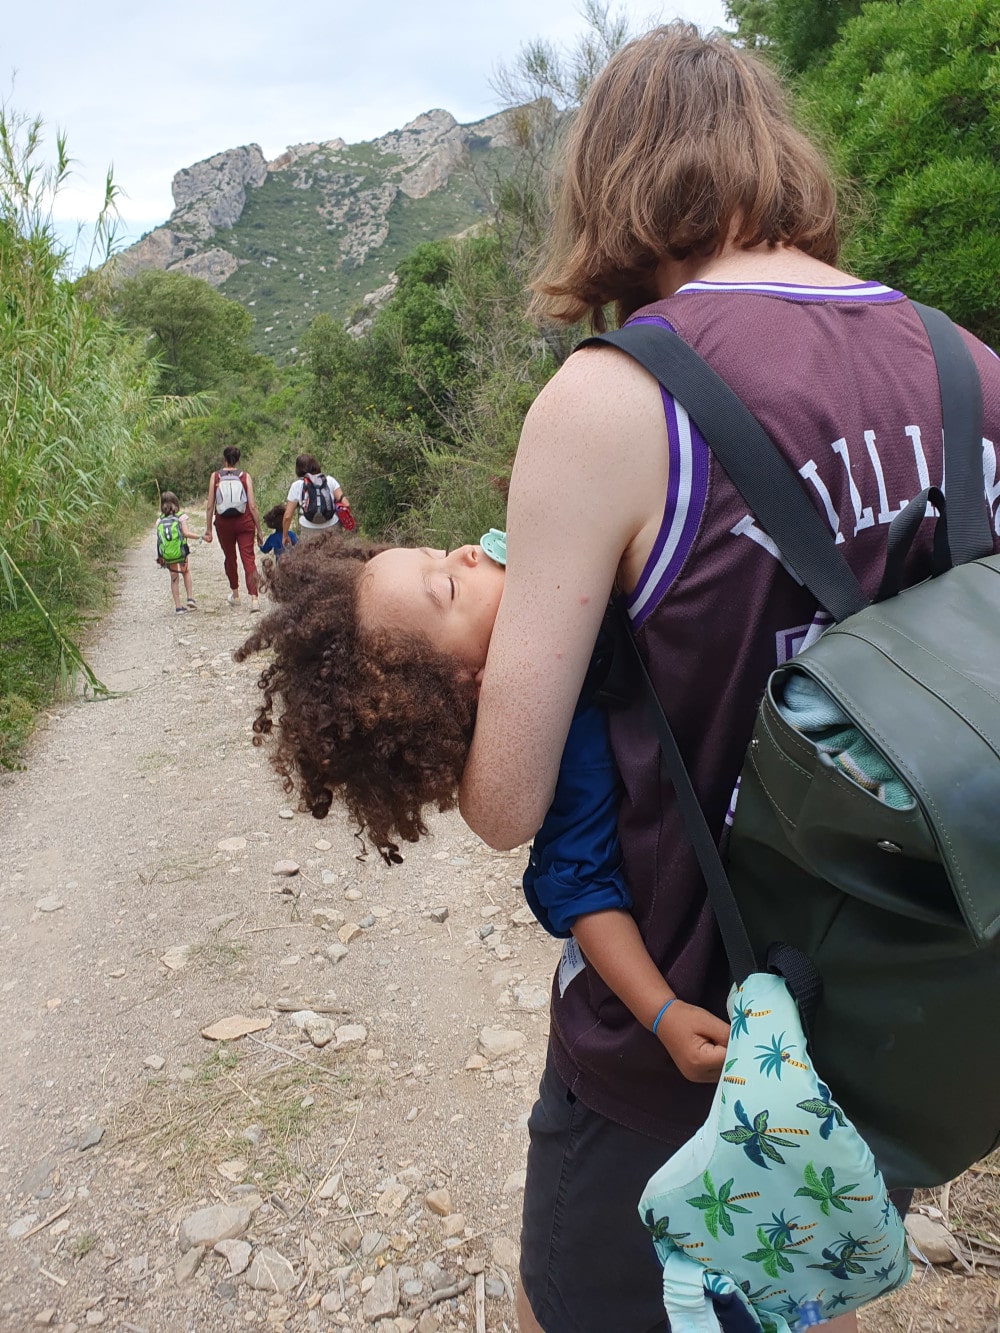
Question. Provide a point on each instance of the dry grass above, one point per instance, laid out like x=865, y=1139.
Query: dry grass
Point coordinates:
x=186, y=1130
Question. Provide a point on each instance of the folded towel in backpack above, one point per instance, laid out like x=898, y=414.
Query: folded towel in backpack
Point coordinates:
x=807, y=707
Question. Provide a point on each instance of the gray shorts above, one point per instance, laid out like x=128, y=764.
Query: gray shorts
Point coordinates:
x=587, y=1262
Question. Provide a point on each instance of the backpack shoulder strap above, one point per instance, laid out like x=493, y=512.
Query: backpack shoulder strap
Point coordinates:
x=771, y=489
x=969, y=535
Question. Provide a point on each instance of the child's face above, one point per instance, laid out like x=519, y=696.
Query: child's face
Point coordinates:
x=448, y=598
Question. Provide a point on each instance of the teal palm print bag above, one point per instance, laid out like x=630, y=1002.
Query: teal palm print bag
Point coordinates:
x=776, y=1201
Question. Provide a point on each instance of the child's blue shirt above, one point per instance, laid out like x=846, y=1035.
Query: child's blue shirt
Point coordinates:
x=575, y=864
x=273, y=544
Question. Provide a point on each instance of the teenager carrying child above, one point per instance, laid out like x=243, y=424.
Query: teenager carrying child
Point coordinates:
x=172, y=550
x=377, y=655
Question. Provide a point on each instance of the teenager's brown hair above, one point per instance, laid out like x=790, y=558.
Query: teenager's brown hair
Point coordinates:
x=681, y=142
x=380, y=722
x=306, y=463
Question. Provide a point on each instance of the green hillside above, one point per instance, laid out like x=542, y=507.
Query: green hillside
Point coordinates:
x=293, y=267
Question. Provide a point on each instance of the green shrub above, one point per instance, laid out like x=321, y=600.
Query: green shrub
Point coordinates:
x=908, y=98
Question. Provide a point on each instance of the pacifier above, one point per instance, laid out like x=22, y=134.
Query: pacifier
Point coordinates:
x=494, y=543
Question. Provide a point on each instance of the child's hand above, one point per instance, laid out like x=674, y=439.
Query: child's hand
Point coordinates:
x=695, y=1040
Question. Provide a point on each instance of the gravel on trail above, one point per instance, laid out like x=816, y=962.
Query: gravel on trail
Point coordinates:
x=155, y=1178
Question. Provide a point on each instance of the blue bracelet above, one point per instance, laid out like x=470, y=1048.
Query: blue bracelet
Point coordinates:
x=662, y=1012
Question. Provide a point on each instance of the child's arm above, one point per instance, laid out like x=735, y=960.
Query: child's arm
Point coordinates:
x=694, y=1039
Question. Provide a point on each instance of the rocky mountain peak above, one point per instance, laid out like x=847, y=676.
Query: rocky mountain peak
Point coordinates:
x=318, y=214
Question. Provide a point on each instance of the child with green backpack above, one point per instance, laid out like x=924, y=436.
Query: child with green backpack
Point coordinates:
x=172, y=537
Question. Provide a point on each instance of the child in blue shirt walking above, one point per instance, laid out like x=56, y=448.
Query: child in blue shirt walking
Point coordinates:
x=273, y=520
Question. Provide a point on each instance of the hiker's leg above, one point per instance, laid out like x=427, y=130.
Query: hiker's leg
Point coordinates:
x=187, y=582
x=227, y=540
x=526, y=1321
x=175, y=587
x=586, y=1262
x=246, y=540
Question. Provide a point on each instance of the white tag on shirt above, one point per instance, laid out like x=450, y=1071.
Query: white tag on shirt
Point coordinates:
x=571, y=964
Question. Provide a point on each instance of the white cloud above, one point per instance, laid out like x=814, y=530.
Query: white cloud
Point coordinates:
x=150, y=90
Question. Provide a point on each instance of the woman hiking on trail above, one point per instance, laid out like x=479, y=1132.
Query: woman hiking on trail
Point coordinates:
x=231, y=500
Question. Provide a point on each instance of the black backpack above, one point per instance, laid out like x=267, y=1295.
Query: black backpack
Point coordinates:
x=317, y=503
x=884, y=921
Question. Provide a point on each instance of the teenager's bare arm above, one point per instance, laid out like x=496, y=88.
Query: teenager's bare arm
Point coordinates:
x=587, y=487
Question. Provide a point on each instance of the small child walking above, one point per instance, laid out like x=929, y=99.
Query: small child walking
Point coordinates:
x=172, y=538
x=274, y=519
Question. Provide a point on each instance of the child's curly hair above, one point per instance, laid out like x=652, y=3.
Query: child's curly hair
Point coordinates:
x=381, y=722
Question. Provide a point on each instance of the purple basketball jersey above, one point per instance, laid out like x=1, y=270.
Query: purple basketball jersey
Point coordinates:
x=844, y=382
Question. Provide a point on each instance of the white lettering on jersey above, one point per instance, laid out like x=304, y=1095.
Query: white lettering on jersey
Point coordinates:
x=864, y=514
x=920, y=458
x=746, y=527
x=863, y=517
x=811, y=473
x=885, y=514
x=991, y=469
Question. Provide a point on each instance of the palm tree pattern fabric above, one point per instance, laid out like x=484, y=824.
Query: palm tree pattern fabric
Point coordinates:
x=777, y=1199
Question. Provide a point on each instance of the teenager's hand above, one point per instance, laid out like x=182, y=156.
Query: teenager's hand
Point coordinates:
x=286, y=540
x=695, y=1040
x=208, y=536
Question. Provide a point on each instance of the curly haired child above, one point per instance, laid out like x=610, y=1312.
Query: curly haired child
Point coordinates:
x=377, y=657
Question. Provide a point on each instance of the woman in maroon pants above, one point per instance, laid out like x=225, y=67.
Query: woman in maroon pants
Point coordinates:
x=231, y=500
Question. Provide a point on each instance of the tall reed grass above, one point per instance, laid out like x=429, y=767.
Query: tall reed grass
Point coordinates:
x=75, y=406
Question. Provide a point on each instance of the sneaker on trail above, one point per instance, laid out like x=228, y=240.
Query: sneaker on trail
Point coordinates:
x=233, y=599
x=192, y=605
x=253, y=605
x=179, y=610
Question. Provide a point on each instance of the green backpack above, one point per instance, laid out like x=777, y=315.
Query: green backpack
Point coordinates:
x=171, y=547
x=863, y=861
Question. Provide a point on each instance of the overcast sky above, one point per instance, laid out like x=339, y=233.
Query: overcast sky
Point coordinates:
x=150, y=88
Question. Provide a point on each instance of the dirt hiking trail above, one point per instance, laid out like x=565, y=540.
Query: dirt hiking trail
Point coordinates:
x=355, y=1159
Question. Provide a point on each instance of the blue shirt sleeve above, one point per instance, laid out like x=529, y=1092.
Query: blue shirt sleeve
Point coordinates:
x=575, y=866
x=272, y=544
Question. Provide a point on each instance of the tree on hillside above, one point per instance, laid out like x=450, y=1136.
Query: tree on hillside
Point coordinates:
x=539, y=91
x=334, y=364
x=416, y=343
x=908, y=99
x=199, y=338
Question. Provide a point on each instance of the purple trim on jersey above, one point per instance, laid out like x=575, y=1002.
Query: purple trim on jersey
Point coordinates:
x=867, y=292
x=687, y=487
